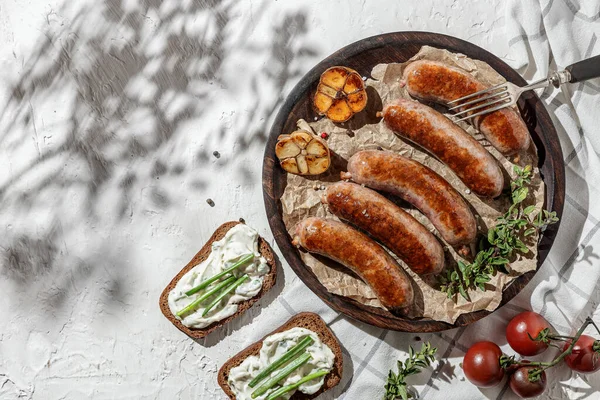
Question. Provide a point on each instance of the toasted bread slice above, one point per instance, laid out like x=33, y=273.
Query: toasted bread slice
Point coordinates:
x=308, y=320
x=269, y=281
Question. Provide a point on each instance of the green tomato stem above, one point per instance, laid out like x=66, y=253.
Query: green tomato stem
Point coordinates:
x=283, y=373
x=210, y=280
x=205, y=296
x=569, y=350
x=224, y=293
x=289, y=355
x=294, y=386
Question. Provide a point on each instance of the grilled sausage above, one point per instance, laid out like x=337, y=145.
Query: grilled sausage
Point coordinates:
x=388, y=223
x=442, y=83
x=473, y=164
x=418, y=185
x=358, y=252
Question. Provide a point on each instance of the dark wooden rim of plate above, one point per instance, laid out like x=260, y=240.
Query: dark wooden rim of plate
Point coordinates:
x=362, y=56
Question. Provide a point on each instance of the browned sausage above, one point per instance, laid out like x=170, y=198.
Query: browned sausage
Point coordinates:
x=358, y=252
x=388, y=223
x=442, y=83
x=418, y=185
x=473, y=164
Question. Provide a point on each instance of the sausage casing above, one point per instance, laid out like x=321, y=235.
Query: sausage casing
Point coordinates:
x=442, y=83
x=469, y=160
x=399, y=231
x=358, y=252
x=418, y=185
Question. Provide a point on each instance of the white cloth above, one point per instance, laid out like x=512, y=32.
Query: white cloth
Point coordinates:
x=545, y=36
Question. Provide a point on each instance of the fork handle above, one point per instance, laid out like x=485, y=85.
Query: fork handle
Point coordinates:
x=585, y=69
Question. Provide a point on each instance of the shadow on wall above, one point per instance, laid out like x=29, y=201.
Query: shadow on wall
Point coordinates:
x=125, y=79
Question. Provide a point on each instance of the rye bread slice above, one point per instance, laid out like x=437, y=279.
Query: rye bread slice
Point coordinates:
x=269, y=281
x=308, y=320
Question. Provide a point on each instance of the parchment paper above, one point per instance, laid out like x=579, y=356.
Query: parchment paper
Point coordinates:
x=301, y=198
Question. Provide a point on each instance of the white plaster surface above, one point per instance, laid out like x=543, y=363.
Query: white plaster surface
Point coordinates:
x=110, y=112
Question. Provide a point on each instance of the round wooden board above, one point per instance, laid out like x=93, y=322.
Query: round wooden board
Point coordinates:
x=363, y=56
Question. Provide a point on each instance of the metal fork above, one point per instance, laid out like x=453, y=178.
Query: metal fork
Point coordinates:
x=506, y=94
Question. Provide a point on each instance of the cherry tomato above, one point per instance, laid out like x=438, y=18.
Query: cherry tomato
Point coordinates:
x=482, y=364
x=522, y=387
x=585, y=357
x=518, y=328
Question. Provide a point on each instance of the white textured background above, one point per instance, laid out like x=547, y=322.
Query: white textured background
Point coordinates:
x=110, y=112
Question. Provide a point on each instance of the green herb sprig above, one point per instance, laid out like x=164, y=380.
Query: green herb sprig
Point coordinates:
x=502, y=241
x=396, y=386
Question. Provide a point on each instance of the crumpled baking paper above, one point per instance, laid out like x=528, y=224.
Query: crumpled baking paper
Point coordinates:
x=365, y=130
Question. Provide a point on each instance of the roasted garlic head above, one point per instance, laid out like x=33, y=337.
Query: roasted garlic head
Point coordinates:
x=302, y=153
x=341, y=94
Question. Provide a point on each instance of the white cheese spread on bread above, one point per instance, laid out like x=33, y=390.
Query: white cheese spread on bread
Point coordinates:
x=273, y=347
x=238, y=242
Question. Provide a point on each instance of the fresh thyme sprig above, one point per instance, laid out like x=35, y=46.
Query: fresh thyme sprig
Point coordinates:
x=502, y=241
x=396, y=386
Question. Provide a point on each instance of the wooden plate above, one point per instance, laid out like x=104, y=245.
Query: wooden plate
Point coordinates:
x=363, y=56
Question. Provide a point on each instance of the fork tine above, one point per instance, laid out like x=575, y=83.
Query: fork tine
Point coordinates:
x=489, y=103
x=500, y=107
x=480, y=99
x=496, y=87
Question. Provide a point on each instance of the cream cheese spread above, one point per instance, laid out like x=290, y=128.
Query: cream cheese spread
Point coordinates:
x=238, y=242
x=273, y=347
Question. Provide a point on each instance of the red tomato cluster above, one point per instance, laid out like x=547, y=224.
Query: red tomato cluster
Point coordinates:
x=484, y=366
